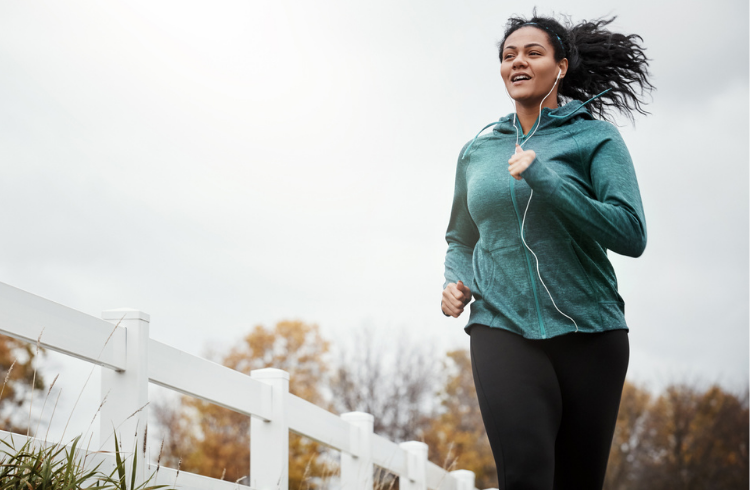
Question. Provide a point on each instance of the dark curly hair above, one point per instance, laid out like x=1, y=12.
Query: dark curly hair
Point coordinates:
x=598, y=59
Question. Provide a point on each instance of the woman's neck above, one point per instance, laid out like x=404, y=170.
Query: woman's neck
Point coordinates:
x=528, y=114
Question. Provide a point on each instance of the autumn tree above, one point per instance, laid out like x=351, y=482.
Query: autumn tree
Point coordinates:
x=456, y=436
x=685, y=439
x=696, y=439
x=215, y=442
x=392, y=380
x=20, y=379
x=627, y=457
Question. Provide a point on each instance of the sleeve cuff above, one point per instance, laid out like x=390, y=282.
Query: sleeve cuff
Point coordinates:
x=541, y=178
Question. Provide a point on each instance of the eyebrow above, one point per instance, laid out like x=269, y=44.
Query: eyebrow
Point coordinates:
x=527, y=46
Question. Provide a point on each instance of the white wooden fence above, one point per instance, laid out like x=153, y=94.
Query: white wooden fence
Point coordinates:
x=131, y=360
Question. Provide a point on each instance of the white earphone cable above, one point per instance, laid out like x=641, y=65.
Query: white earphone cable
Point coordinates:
x=539, y=274
x=523, y=221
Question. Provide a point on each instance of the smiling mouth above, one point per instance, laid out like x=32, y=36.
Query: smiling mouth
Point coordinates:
x=520, y=78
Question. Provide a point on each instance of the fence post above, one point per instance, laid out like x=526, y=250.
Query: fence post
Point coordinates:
x=357, y=467
x=125, y=393
x=416, y=466
x=269, y=439
x=464, y=479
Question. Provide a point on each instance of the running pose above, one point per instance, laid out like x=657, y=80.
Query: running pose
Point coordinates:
x=538, y=202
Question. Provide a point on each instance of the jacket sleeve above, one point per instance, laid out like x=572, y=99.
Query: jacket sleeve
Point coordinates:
x=462, y=234
x=614, y=216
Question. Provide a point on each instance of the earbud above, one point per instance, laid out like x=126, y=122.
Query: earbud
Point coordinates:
x=559, y=72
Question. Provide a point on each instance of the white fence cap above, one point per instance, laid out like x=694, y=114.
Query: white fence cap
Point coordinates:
x=125, y=314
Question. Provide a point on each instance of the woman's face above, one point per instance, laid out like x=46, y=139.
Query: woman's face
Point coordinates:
x=529, y=68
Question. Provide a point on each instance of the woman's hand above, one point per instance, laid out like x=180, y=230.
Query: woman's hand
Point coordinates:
x=520, y=161
x=455, y=298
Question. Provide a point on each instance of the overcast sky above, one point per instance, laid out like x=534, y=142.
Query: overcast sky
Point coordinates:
x=228, y=163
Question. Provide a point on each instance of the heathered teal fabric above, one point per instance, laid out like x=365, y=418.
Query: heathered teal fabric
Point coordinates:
x=586, y=201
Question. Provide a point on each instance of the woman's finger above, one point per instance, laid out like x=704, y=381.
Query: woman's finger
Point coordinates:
x=465, y=291
x=462, y=296
x=452, y=310
x=457, y=294
x=457, y=301
x=455, y=291
x=517, y=168
x=450, y=297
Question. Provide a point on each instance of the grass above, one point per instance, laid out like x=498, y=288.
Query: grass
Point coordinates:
x=53, y=467
x=37, y=465
x=32, y=467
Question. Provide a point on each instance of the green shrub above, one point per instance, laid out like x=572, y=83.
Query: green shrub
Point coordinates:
x=37, y=467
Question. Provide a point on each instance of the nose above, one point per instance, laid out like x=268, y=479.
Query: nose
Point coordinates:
x=518, y=61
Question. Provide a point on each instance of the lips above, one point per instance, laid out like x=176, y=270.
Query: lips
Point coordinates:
x=520, y=77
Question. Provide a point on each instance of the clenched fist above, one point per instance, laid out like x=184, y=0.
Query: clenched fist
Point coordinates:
x=455, y=298
x=520, y=161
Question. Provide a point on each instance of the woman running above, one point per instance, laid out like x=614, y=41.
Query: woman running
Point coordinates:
x=537, y=204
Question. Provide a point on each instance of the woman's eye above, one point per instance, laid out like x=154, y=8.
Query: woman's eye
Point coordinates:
x=508, y=56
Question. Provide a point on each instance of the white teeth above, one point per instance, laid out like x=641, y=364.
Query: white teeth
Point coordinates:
x=521, y=77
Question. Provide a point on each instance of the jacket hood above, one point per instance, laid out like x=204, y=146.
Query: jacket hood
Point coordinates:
x=550, y=118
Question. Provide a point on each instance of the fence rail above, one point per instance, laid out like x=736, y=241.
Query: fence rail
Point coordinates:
x=120, y=343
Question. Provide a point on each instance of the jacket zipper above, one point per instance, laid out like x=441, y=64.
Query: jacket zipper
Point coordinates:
x=528, y=259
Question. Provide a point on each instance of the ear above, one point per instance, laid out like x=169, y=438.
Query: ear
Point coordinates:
x=563, y=65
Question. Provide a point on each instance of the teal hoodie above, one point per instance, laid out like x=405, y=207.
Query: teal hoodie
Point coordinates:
x=585, y=201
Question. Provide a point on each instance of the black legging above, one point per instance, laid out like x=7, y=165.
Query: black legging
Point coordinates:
x=549, y=406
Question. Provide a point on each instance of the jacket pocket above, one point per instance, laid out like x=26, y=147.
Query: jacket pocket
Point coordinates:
x=502, y=280
x=599, y=271
x=566, y=281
